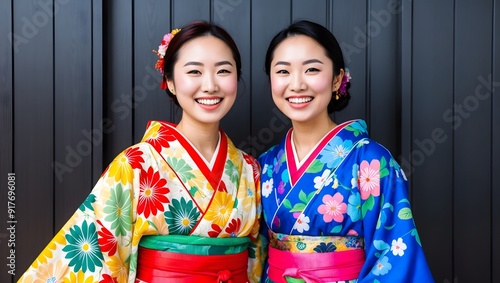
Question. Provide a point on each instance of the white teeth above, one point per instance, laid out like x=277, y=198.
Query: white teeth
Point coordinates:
x=212, y=101
x=299, y=99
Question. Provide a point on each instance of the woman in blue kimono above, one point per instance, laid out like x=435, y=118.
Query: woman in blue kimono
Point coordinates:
x=335, y=202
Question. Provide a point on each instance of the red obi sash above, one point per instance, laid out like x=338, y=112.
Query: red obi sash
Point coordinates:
x=315, y=267
x=155, y=266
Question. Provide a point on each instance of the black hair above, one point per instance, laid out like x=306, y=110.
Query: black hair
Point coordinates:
x=332, y=48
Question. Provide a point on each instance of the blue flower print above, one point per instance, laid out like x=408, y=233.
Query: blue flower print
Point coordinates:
x=354, y=206
x=335, y=151
x=382, y=267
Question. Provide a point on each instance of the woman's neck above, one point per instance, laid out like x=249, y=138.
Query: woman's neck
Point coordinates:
x=204, y=137
x=306, y=135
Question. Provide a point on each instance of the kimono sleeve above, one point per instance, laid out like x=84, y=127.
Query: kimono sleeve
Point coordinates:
x=256, y=255
x=394, y=252
x=95, y=244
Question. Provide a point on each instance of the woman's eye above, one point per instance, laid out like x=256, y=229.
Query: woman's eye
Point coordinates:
x=223, y=71
x=312, y=70
x=194, y=72
x=282, y=72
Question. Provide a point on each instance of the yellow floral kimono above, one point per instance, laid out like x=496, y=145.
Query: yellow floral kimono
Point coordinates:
x=160, y=186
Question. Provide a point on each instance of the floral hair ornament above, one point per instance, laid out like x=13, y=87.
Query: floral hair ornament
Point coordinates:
x=343, y=85
x=161, y=54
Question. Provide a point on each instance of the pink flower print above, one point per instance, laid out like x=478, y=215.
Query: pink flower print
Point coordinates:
x=369, y=179
x=333, y=208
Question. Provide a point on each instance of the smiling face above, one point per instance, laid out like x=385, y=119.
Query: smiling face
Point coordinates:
x=205, y=80
x=302, y=79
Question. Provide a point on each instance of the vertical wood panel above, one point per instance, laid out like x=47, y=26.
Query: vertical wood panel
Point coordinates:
x=495, y=129
x=431, y=143
x=472, y=143
x=33, y=121
x=118, y=77
x=152, y=22
x=234, y=17
x=405, y=78
x=347, y=20
x=73, y=109
x=268, y=124
x=313, y=10
x=99, y=124
x=185, y=11
x=6, y=135
x=381, y=32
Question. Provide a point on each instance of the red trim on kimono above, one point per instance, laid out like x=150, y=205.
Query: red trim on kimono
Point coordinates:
x=160, y=266
x=296, y=173
x=213, y=176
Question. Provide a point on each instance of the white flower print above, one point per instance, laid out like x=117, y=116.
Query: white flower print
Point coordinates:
x=267, y=187
x=302, y=223
x=398, y=247
x=264, y=169
x=324, y=180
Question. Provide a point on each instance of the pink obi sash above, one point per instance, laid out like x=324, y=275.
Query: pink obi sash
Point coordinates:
x=155, y=266
x=315, y=267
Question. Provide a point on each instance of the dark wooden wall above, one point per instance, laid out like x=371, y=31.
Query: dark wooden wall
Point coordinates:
x=77, y=86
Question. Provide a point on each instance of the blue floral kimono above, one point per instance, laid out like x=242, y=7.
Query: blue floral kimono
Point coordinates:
x=348, y=193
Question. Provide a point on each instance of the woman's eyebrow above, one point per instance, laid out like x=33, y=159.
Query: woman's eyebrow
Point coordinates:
x=222, y=63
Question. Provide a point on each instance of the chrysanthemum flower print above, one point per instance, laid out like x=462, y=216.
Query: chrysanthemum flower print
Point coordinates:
x=220, y=209
x=159, y=136
x=333, y=208
x=302, y=223
x=153, y=193
x=181, y=216
x=369, y=179
x=118, y=210
x=106, y=240
x=398, y=247
x=78, y=277
x=267, y=187
x=141, y=227
x=215, y=230
x=252, y=161
x=232, y=171
x=323, y=180
x=118, y=268
x=234, y=227
x=82, y=248
x=183, y=169
x=53, y=272
x=106, y=278
x=159, y=224
x=121, y=168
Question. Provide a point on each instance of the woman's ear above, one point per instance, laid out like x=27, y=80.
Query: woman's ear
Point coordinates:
x=337, y=80
x=171, y=86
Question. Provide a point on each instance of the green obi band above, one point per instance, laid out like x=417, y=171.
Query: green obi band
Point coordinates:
x=195, y=245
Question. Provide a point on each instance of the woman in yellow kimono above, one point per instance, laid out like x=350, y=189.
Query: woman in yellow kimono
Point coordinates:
x=182, y=205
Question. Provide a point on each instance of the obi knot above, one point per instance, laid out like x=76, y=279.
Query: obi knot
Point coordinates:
x=224, y=276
